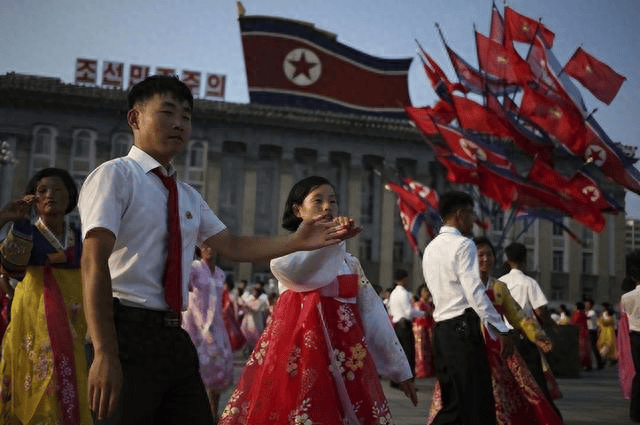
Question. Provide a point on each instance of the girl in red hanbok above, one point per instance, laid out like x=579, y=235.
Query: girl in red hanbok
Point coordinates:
x=423, y=332
x=319, y=358
x=579, y=319
x=230, y=314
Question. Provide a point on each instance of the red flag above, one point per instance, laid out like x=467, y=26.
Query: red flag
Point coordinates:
x=412, y=210
x=537, y=59
x=502, y=61
x=459, y=171
x=424, y=192
x=521, y=136
x=522, y=28
x=439, y=80
x=583, y=185
x=597, y=77
x=469, y=148
x=496, y=30
x=561, y=119
x=424, y=117
x=292, y=63
x=475, y=80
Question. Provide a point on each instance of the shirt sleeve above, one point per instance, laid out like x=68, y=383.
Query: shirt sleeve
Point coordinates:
x=210, y=224
x=536, y=296
x=308, y=270
x=103, y=199
x=382, y=342
x=469, y=275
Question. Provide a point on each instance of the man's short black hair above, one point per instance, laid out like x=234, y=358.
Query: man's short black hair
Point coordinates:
x=400, y=274
x=450, y=202
x=516, y=252
x=159, y=84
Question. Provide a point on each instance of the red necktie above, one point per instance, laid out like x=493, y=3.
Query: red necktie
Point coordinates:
x=172, y=277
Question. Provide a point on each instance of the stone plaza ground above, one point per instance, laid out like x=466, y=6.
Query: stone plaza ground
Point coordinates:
x=592, y=399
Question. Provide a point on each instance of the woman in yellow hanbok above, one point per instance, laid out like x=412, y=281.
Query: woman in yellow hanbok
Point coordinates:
x=43, y=369
x=607, y=344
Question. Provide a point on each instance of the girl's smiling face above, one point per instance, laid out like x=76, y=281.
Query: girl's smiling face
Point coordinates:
x=321, y=200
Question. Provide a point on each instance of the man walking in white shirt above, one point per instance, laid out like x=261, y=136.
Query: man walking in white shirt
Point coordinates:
x=592, y=324
x=451, y=271
x=402, y=313
x=631, y=304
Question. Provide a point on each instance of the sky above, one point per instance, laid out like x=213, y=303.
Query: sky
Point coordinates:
x=44, y=37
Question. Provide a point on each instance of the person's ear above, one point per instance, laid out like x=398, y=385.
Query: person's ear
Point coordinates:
x=133, y=119
x=296, y=210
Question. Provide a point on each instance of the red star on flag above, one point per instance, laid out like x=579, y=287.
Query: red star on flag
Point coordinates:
x=302, y=66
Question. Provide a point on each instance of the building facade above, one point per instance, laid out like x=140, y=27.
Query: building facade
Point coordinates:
x=244, y=158
x=632, y=235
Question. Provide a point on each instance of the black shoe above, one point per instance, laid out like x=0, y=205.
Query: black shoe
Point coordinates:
x=394, y=385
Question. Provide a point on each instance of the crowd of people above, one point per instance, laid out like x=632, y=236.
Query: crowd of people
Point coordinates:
x=129, y=319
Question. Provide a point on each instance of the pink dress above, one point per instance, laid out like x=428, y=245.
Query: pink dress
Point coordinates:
x=204, y=323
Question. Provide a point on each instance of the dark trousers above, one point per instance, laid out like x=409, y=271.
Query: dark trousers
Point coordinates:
x=634, y=408
x=593, y=335
x=161, y=378
x=404, y=331
x=462, y=369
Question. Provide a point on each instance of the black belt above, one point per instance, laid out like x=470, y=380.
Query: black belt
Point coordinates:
x=170, y=319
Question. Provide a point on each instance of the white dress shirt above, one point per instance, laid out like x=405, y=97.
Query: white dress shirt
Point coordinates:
x=452, y=274
x=631, y=304
x=401, y=305
x=125, y=197
x=525, y=290
x=592, y=320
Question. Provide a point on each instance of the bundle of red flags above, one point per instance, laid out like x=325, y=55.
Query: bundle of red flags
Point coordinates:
x=530, y=109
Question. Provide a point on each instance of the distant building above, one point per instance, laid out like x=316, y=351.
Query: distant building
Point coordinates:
x=244, y=158
x=632, y=235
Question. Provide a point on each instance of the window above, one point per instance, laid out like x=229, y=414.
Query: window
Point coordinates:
x=371, y=188
x=43, y=148
x=558, y=261
x=339, y=176
x=120, y=144
x=557, y=229
x=82, y=156
x=365, y=249
x=196, y=165
x=304, y=164
x=398, y=252
x=587, y=262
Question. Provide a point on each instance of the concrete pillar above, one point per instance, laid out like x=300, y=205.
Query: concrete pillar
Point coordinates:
x=214, y=174
x=387, y=237
x=247, y=226
x=545, y=255
x=286, y=183
x=354, y=199
x=601, y=260
x=574, y=263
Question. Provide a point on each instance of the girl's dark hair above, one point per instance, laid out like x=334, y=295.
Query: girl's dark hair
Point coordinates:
x=159, y=84
x=483, y=240
x=63, y=175
x=298, y=192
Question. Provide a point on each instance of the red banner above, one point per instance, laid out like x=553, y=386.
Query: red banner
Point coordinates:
x=594, y=75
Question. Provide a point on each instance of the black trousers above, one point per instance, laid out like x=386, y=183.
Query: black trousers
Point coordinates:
x=593, y=335
x=404, y=332
x=462, y=369
x=161, y=378
x=634, y=408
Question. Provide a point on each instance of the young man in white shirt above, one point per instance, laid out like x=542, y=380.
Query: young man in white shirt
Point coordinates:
x=451, y=271
x=592, y=324
x=145, y=368
x=402, y=313
x=630, y=303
